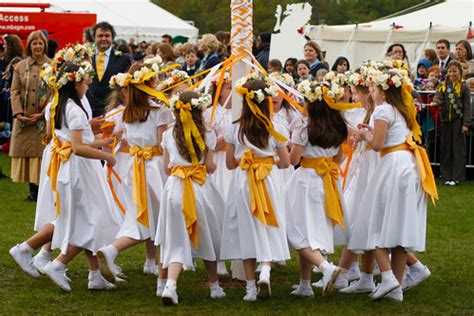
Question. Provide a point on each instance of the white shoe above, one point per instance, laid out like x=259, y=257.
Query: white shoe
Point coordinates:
x=119, y=275
x=99, y=283
x=259, y=268
x=217, y=292
x=359, y=286
x=251, y=295
x=40, y=262
x=106, y=265
x=24, y=260
x=396, y=295
x=330, y=276
x=318, y=284
x=221, y=268
x=264, y=289
x=150, y=268
x=303, y=291
x=412, y=279
x=316, y=269
x=341, y=282
x=353, y=274
x=383, y=288
x=160, y=288
x=58, y=276
x=169, y=296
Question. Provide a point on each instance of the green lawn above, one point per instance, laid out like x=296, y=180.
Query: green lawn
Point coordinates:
x=450, y=289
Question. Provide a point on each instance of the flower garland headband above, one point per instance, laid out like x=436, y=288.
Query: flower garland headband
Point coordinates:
x=175, y=77
x=329, y=92
x=189, y=126
x=259, y=96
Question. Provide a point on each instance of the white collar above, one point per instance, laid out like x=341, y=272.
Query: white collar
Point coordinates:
x=107, y=52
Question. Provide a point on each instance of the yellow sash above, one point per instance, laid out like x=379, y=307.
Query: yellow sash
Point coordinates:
x=60, y=153
x=261, y=204
x=139, y=179
x=328, y=170
x=423, y=164
x=196, y=173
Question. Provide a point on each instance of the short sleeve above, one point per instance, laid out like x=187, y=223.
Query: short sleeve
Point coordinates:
x=229, y=133
x=384, y=112
x=300, y=135
x=280, y=129
x=76, y=118
x=211, y=140
x=166, y=139
x=47, y=111
x=161, y=115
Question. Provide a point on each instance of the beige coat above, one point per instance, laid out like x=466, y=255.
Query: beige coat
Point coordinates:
x=26, y=140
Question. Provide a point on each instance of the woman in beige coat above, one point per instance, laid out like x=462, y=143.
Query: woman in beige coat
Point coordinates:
x=28, y=99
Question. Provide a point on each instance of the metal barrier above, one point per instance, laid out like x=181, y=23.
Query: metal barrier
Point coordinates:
x=429, y=120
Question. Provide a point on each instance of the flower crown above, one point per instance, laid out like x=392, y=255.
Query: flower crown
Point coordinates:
x=314, y=91
x=155, y=63
x=201, y=103
x=85, y=70
x=120, y=80
x=283, y=77
x=339, y=78
x=260, y=94
x=386, y=77
x=226, y=78
x=175, y=77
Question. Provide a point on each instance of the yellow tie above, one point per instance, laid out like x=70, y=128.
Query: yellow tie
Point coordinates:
x=100, y=66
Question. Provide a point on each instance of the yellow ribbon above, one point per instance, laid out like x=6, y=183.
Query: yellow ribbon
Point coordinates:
x=338, y=106
x=190, y=130
x=140, y=199
x=140, y=84
x=53, y=112
x=249, y=95
x=258, y=168
x=196, y=173
x=423, y=163
x=410, y=104
x=328, y=170
x=60, y=153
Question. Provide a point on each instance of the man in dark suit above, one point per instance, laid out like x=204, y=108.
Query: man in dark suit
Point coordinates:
x=107, y=62
x=442, y=51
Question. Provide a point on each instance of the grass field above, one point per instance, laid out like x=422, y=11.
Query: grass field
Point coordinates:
x=449, y=255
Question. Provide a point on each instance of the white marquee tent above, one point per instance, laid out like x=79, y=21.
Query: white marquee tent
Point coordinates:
x=140, y=19
x=416, y=31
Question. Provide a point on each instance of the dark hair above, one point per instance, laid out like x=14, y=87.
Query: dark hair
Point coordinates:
x=338, y=61
x=191, y=51
x=124, y=48
x=88, y=35
x=390, y=48
x=430, y=54
x=445, y=42
x=251, y=127
x=393, y=96
x=66, y=92
x=223, y=36
x=167, y=52
x=138, y=106
x=467, y=47
x=275, y=63
x=326, y=127
x=105, y=26
x=292, y=61
x=178, y=132
x=14, y=46
x=457, y=64
x=168, y=37
x=52, y=47
x=304, y=62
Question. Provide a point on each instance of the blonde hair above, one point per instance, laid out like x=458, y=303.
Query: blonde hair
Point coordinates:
x=36, y=35
x=210, y=42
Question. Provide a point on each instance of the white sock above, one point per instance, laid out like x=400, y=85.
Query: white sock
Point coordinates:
x=417, y=266
x=94, y=274
x=44, y=253
x=265, y=271
x=162, y=283
x=150, y=261
x=251, y=284
x=355, y=266
x=305, y=283
x=171, y=284
x=387, y=275
x=58, y=265
x=324, y=265
x=26, y=248
x=366, y=277
x=214, y=285
x=112, y=251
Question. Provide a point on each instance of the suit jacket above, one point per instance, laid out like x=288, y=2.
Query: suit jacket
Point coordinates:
x=100, y=90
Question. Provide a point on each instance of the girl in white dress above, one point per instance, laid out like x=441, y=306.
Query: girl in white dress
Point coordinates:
x=313, y=198
x=254, y=229
x=84, y=218
x=144, y=122
x=188, y=225
x=398, y=203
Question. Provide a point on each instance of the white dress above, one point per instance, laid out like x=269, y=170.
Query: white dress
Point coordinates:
x=244, y=236
x=398, y=203
x=144, y=134
x=86, y=219
x=172, y=235
x=307, y=223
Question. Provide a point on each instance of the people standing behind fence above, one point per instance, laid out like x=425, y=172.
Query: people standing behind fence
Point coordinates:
x=208, y=46
x=290, y=67
x=192, y=62
x=107, y=62
x=444, y=57
x=341, y=65
x=275, y=65
x=454, y=98
x=422, y=72
x=313, y=55
x=303, y=69
x=430, y=54
x=463, y=53
x=29, y=95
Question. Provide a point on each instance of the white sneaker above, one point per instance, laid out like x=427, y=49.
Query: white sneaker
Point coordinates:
x=330, y=276
x=353, y=274
x=359, y=286
x=119, y=275
x=412, y=279
x=316, y=269
x=217, y=292
x=396, y=295
x=169, y=296
x=383, y=288
x=264, y=290
x=318, y=284
x=58, y=276
x=221, y=268
x=150, y=268
x=106, y=265
x=24, y=261
x=251, y=295
x=303, y=291
x=40, y=262
x=99, y=283
x=160, y=288
x=447, y=183
x=341, y=282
